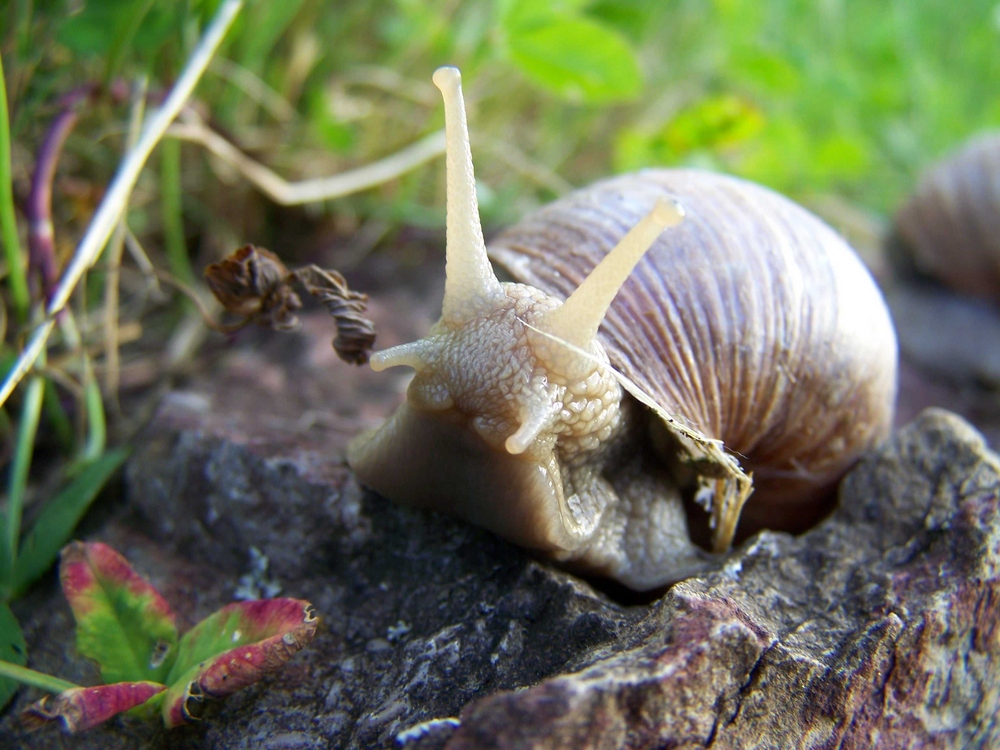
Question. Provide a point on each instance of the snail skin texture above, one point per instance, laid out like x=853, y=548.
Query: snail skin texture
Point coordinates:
x=748, y=321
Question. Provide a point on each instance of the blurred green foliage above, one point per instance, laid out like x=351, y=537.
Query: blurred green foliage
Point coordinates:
x=842, y=96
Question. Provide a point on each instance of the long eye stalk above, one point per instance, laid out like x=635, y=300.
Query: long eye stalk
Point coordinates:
x=578, y=318
x=470, y=284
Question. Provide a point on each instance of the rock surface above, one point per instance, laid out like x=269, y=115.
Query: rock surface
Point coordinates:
x=878, y=627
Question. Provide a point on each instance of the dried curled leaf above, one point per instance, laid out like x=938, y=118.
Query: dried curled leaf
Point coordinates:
x=355, y=333
x=82, y=708
x=254, y=284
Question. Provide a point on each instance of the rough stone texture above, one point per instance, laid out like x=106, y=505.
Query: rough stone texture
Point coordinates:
x=878, y=627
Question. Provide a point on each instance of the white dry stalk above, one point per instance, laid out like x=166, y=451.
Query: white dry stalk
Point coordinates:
x=111, y=208
x=285, y=193
x=142, y=261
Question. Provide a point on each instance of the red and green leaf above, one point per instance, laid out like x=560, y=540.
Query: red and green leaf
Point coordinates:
x=82, y=708
x=234, y=648
x=122, y=621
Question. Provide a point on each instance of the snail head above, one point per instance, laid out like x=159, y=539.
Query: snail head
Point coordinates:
x=512, y=387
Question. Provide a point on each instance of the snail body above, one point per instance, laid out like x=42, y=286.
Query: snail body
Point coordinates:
x=748, y=322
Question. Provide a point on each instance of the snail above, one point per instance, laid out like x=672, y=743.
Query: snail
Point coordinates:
x=950, y=226
x=944, y=252
x=570, y=411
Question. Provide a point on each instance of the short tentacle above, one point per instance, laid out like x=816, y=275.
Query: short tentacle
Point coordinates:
x=412, y=355
x=537, y=414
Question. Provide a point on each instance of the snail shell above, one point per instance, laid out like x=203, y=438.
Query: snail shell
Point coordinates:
x=951, y=224
x=752, y=320
x=749, y=322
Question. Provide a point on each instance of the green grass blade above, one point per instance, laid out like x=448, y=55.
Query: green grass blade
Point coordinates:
x=19, y=674
x=13, y=650
x=127, y=24
x=56, y=417
x=16, y=274
x=173, y=217
x=60, y=516
x=31, y=411
x=97, y=429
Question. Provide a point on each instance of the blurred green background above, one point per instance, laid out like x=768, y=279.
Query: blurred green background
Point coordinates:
x=817, y=98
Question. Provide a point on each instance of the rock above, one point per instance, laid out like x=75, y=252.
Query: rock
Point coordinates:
x=877, y=627
x=949, y=351
x=933, y=326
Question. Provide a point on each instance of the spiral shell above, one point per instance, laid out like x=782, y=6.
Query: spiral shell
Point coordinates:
x=752, y=320
x=951, y=224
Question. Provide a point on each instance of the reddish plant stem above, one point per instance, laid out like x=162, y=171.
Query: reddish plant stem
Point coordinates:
x=41, y=231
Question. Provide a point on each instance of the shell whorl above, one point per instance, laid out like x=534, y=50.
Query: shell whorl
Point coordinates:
x=951, y=224
x=752, y=319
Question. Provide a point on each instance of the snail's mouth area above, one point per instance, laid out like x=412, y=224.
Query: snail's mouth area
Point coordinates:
x=432, y=459
x=615, y=513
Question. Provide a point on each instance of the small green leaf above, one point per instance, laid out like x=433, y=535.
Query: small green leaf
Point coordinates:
x=122, y=621
x=12, y=649
x=55, y=524
x=234, y=648
x=82, y=708
x=576, y=58
x=767, y=71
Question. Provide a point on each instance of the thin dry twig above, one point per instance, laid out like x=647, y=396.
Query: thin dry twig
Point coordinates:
x=276, y=105
x=115, y=248
x=519, y=161
x=142, y=261
x=106, y=218
x=287, y=193
x=390, y=81
x=198, y=300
